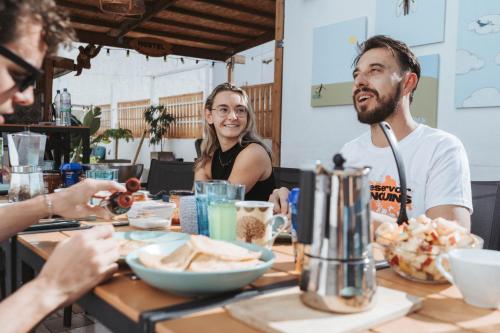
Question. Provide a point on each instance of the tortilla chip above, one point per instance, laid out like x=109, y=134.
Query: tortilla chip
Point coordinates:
x=207, y=263
x=202, y=254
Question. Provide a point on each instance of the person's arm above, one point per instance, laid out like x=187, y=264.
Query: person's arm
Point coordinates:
x=279, y=198
x=70, y=203
x=448, y=188
x=459, y=214
x=201, y=173
x=75, y=266
x=252, y=164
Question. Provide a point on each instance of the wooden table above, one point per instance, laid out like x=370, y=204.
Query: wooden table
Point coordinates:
x=119, y=302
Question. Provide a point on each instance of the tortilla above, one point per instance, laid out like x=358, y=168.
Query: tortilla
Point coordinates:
x=202, y=254
x=126, y=246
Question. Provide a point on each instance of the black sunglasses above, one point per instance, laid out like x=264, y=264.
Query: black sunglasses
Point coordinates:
x=33, y=72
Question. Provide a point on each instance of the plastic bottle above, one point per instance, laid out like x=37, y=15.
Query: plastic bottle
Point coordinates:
x=65, y=108
x=120, y=202
x=57, y=107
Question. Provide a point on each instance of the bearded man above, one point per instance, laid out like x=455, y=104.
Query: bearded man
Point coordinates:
x=386, y=75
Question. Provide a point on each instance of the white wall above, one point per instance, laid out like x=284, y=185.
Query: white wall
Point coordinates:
x=317, y=133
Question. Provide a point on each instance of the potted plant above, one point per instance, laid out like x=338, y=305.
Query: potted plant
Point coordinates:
x=92, y=120
x=158, y=121
x=116, y=134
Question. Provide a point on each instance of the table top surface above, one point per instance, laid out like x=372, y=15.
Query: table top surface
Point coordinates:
x=443, y=309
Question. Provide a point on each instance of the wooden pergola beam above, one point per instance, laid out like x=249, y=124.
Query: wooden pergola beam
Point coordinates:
x=240, y=8
x=199, y=28
x=278, y=82
x=78, y=6
x=151, y=10
x=158, y=33
x=264, y=38
x=86, y=36
x=221, y=19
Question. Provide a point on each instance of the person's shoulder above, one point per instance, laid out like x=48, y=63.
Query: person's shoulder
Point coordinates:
x=357, y=142
x=439, y=137
x=254, y=152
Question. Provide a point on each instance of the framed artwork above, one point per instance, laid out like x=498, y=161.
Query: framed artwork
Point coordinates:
x=477, y=66
x=424, y=24
x=334, y=50
x=425, y=99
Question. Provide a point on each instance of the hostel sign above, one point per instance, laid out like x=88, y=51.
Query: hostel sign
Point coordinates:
x=150, y=46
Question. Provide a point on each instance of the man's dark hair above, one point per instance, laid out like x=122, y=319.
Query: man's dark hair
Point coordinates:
x=54, y=21
x=407, y=60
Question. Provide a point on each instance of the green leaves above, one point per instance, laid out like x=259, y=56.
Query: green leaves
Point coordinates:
x=158, y=120
x=115, y=134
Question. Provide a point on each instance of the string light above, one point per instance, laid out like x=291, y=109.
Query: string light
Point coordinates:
x=129, y=51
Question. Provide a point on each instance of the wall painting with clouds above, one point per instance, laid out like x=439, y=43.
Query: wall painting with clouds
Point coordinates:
x=334, y=50
x=477, y=69
x=424, y=24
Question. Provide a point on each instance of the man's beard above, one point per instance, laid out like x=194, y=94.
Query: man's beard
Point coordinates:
x=381, y=112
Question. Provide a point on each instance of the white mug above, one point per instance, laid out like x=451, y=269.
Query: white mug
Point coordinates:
x=255, y=222
x=476, y=273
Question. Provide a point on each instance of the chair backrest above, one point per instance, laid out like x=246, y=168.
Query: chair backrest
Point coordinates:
x=197, y=146
x=287, y=177
x=170, y=175
x=485, y=220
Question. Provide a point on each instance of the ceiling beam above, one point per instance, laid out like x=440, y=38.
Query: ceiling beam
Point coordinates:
x=221, y=19
x=159, y=33
x=199, y=28
x=85, y=36
x=264, y=38
x=79, y=6
x=151, y=10
x=240, y=8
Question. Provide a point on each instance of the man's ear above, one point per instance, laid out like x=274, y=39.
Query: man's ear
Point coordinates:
x=209, y=116
x=411, y=81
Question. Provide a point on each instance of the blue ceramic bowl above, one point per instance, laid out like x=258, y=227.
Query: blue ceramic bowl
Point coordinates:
x=197, y=283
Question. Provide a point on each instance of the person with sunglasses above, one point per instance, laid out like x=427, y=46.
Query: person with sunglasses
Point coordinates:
x=231, y=149
x=30, y=30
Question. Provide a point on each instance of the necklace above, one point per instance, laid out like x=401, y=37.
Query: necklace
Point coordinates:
x=222, y=163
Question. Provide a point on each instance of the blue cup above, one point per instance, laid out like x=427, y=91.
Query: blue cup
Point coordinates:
x=293, y=202
x=71, y=173
x=200, y=190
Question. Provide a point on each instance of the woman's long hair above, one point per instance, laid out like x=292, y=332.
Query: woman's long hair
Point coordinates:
x=211, y=142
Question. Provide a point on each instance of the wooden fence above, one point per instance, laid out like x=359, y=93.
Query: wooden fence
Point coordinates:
x=187, y=110
x=130, y=115
x=260, y=96
x=105, y=117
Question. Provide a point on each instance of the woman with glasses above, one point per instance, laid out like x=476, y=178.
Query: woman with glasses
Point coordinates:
x=231, y=149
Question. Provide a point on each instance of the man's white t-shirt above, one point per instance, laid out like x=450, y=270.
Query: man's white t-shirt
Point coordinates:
x=436, y=165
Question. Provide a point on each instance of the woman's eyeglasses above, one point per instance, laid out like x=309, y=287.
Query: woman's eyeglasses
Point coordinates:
x=224, y=111
x=33, y=73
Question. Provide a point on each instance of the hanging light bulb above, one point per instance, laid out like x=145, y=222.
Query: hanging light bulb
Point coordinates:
x=128, y=53
x=147, y=58
x=107, y=52
x=197, y=61
x=165, y=58
x=182, y=60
